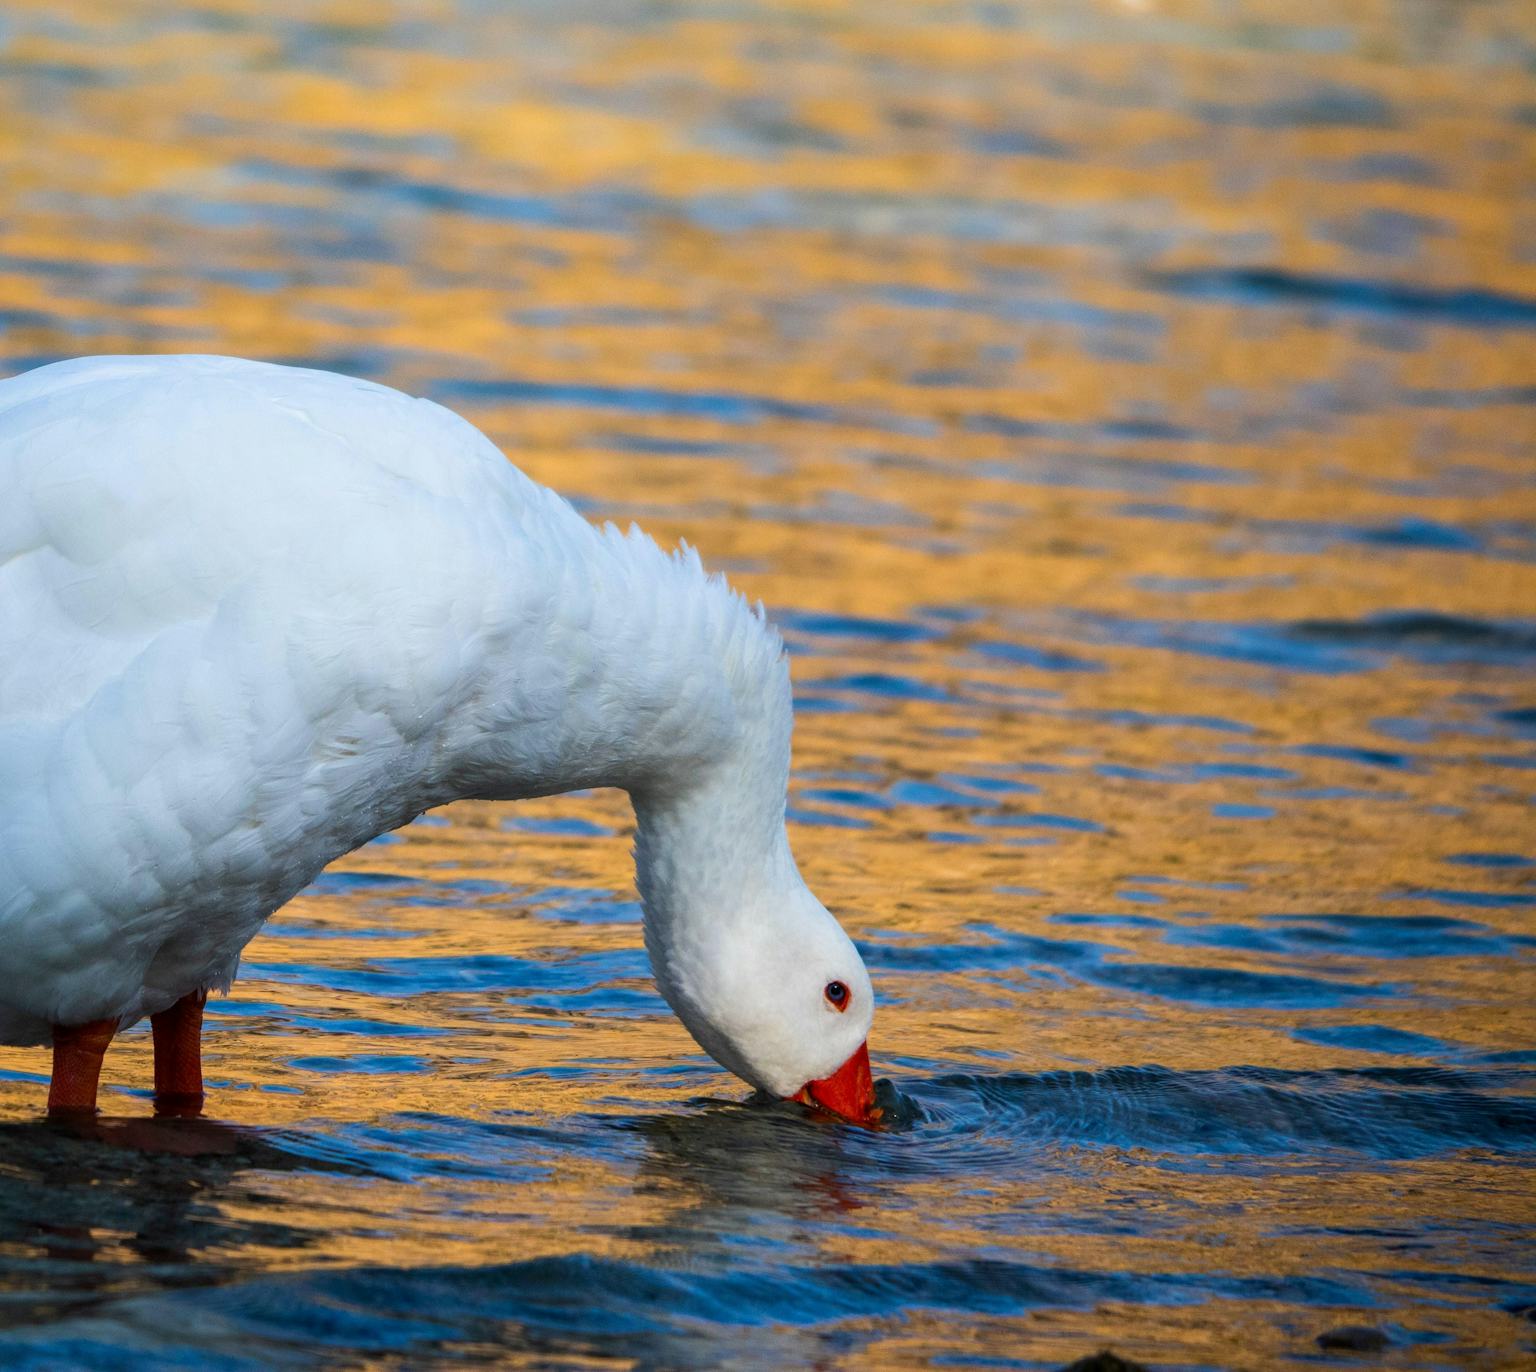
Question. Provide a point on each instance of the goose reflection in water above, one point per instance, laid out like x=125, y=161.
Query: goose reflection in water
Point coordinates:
x=735, y=1168
x=92, y=1209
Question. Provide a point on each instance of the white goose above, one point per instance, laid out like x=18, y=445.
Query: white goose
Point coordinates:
x=253, y=616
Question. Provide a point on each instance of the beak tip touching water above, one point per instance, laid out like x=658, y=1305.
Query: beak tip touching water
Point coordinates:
x=848, y=1093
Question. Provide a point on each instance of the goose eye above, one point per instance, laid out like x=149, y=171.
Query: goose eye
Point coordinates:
x=837, y=995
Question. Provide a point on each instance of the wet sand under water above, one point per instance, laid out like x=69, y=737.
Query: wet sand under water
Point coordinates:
x=1126, y=411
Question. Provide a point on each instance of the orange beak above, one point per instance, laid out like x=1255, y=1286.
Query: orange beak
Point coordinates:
x=849, y=1091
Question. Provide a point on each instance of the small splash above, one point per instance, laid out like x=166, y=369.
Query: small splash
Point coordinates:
x=898, y=1111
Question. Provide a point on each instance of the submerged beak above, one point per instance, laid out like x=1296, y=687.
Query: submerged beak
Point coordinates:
x=849, y=1091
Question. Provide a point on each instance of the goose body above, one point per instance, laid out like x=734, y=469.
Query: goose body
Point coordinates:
x=253, y=616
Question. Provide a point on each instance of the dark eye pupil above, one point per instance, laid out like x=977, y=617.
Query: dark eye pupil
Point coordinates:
x=837, y=993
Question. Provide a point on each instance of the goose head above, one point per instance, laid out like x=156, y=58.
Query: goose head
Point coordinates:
x=752, y=963
x=777, y=994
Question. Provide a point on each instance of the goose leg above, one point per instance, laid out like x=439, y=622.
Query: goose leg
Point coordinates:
x=77, y=1053
x=179, y=1056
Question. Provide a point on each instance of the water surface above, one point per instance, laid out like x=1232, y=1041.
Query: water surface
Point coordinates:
x=1126, y=411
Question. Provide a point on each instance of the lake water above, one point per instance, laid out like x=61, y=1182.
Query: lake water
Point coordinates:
x=1127, y=412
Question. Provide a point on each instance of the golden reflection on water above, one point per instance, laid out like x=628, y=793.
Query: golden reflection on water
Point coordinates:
x=895, y=312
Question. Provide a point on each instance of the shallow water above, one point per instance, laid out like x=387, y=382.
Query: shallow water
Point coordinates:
x=1126, y=411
